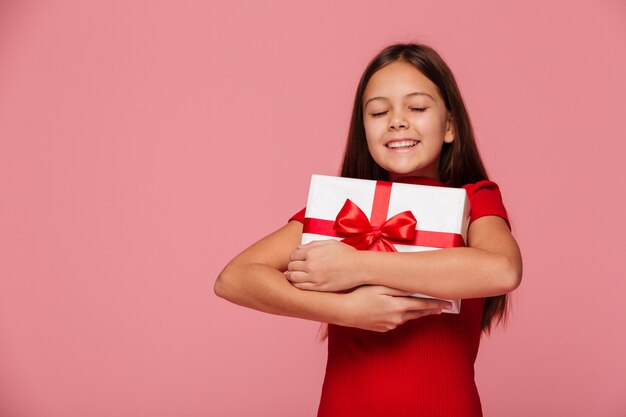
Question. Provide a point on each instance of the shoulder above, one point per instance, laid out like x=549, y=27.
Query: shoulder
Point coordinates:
x=299, y=216
x=483, y=187
x=485, y=200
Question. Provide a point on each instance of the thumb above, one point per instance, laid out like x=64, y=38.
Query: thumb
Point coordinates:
x=393, y=291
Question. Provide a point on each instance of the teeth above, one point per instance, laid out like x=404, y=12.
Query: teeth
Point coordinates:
x=402, y=144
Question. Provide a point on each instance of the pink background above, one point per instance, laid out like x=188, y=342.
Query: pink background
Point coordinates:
x=144, y=143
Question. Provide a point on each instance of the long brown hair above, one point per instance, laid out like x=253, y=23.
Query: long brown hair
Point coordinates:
x=459, y=162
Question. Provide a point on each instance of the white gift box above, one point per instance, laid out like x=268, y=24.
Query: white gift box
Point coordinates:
x=441, y=214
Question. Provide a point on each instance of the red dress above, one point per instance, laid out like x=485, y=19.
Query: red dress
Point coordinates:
x=424, y=367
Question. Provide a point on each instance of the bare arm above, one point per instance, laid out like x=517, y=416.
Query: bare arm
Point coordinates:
x=491, y=265
x=254, y=279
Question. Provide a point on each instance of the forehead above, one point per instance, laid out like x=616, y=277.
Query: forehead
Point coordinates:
x=397, y=80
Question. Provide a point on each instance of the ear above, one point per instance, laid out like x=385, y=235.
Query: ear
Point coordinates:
x=450, y=133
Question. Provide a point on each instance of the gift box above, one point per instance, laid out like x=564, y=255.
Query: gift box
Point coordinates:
x=387, y=216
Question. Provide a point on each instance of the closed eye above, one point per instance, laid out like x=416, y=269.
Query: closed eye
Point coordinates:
x=414, y=109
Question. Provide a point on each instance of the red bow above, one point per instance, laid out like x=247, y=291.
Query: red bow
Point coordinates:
x=362, y=234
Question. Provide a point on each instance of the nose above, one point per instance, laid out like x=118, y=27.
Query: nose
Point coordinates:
x=398, y=121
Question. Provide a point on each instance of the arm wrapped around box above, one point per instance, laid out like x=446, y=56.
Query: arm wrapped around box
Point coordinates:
x=387, y=216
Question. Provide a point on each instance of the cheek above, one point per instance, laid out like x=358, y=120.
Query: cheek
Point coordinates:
x=373, y=145
x=370, y=134
x=372, y=149
x=432, y=127
x=374, y=130
x=368, y=128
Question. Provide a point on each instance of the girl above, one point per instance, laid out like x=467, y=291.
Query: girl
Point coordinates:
x=390, y=354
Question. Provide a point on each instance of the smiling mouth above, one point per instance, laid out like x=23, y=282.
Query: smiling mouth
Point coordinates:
x=402, y=144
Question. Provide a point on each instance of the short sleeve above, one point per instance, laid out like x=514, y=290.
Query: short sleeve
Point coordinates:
x=486, y=200
x=299, y=216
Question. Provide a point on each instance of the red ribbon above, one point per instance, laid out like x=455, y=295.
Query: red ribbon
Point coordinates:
x=362, y=234
x=380, y=233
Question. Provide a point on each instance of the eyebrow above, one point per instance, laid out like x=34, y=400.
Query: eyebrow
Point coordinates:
x=417, y=93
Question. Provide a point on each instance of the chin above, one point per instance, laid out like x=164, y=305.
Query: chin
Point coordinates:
x=404, y=172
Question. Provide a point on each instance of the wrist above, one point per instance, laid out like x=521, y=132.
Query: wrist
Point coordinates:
x=338, y=309
x=360, y=267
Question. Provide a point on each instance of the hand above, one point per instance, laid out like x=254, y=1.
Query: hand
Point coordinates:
x=323, y=265
x=379, y=308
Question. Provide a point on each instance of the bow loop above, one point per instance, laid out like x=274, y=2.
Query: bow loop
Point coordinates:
x=361, y=234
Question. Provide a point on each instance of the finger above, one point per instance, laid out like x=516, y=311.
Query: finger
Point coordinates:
x=308, y=286
x=298, y=255
x=394, y=291
x=410, y=315
x=413, y=303
x=297, y=266
x=297, y=276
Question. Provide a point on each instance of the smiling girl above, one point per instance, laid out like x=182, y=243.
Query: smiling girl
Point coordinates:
x=390, y=354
